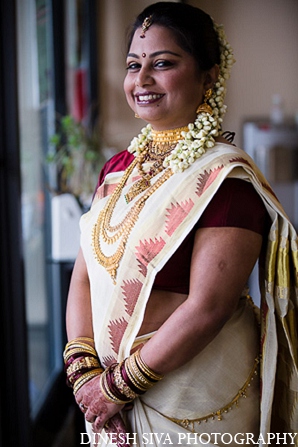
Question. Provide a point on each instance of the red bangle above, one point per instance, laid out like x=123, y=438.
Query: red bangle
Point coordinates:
x=128, y=381
x=112, y=387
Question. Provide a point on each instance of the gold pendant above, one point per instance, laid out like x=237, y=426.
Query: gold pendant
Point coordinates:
x=138, y=187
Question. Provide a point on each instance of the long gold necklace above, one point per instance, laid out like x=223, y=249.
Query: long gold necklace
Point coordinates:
x=103, y=230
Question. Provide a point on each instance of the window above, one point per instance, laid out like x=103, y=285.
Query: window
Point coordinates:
x=35, y=118
x=46, y=72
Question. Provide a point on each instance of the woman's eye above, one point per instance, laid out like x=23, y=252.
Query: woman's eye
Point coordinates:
x=163, y=64
x=132, y=66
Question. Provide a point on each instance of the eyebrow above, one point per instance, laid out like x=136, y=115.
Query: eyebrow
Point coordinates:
x=156, y=53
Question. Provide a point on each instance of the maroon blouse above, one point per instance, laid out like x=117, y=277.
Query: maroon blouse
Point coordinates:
x=235, y=204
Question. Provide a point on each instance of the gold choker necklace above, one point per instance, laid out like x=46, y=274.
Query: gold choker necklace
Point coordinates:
x=171, y=136
x=164, y=141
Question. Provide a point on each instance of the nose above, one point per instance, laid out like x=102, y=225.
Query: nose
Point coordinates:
x=144, y=77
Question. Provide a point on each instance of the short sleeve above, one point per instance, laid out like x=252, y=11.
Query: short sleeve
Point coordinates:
x=236, y=204
x=119, y=162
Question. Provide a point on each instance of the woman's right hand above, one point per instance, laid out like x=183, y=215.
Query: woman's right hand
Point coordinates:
x=97, y=409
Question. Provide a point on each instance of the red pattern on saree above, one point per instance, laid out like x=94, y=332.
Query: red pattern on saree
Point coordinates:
x=131, y=291
x=206, y=178
x=240, y=160
x=116, y=331
x=176, y=215
x=146, y=251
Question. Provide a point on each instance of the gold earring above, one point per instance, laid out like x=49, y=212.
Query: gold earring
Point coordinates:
x=206, y=108
x=136, y=115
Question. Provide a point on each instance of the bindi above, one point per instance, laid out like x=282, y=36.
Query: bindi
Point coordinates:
x=143, y=54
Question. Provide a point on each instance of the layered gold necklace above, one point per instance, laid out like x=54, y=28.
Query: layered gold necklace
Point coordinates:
x=152, y=156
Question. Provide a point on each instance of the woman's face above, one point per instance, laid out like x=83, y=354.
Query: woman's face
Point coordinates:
x=162, y=85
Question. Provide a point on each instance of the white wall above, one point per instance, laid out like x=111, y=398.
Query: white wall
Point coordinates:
x=263, y=33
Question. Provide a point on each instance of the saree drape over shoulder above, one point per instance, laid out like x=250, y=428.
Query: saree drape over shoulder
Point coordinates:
x=218, y=391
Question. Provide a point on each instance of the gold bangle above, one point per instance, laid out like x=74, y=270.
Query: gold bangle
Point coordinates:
x=145, y=368
x=121, y=384
x=79, y=339
x=85, y=362
x=69, y=353
x=79, y=345
x=85, y=378
x=138, y=373
x=76, y=342
x=107, y=392
x=132, y=377
x=88, y=374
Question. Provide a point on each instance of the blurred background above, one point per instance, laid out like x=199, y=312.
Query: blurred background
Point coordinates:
x=63, y=113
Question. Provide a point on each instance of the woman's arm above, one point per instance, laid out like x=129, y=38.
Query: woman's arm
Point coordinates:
x=78, y=311
x=222, y=261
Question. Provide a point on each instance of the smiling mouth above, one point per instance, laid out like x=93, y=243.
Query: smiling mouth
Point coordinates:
x=148, y=99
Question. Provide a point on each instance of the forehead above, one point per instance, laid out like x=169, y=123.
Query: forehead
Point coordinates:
x=156, y=38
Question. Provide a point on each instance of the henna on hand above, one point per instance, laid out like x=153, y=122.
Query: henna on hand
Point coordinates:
x=116, y=427
x=98, y=410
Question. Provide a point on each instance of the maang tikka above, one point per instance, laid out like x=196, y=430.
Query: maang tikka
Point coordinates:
x=146, y=25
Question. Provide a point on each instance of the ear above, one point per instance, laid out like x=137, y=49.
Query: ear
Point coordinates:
x=211, y=77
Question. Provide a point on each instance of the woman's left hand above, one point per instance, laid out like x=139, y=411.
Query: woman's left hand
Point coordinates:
x=97, y=409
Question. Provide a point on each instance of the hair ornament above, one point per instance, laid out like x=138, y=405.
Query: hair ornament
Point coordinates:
x=146, y=25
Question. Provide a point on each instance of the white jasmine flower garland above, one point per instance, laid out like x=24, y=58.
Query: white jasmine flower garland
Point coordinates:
x=201, y=134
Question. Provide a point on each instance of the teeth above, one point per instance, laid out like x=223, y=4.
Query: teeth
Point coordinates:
x=148, y=97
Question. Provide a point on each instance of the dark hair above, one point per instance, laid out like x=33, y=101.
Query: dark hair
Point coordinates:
x=192, y=28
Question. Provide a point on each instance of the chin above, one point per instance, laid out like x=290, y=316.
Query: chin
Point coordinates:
x=149, y=114
x=153, y=120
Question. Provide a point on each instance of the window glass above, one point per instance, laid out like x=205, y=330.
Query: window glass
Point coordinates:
x=35, y=116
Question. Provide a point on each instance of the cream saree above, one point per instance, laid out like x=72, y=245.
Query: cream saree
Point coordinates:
x=207, y=395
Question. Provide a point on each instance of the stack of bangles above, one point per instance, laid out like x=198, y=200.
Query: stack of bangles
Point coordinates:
x=120, y=383
x=81, y=362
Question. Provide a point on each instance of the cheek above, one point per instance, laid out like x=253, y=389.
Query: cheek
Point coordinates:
x=193, y=90
x=184, y=92
x=126, y=85
x=128, y=88
x=184, y=86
